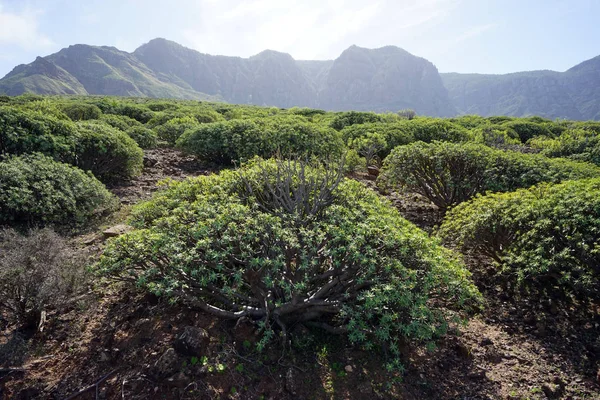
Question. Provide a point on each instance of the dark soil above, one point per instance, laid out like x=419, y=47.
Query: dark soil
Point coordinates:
x=515, y=349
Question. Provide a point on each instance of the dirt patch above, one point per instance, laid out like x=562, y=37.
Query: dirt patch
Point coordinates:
x=159, y=164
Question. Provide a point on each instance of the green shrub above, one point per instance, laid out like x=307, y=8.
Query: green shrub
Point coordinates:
x=239, y=140
x=283, y=244
x=174, y=128
x=576, y=144
x=36, y=190
x=135, y=111
x=526, y=130
x=393, y=134
x=450, y=173
x=344, y=119
x=144, y=137
x=544, y=238
x=494, y=137
x=81, y=111
x=107, y=152
x=120, y=122
x=27, y=131
x=37, y=271
x=432, y=129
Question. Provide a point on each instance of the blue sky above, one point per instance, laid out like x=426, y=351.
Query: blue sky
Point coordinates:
x=494, y=36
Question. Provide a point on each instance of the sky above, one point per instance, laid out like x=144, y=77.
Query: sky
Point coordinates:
x=484, y=36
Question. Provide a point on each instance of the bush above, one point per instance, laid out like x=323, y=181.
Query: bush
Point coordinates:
x=36, y=190
x=393, y=134
x=27, y=132
x=544, y=238
x=281, y=243
x=81, y=111
x=239, y=140
x=174, y=128
x=107, y=152
x=495, y=137
x=134, y=111
x=37, y=271
x=526, y=130
x=120, y=122
x=144, y=137
x=344, y=119
x=576, y=144
x=450, y=173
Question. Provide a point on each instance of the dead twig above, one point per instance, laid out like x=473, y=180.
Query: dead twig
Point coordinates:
x=94, y=385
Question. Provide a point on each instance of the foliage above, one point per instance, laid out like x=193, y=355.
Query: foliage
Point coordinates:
x=282, y=243
x=174, y=128
x=120, y=122
x=390, y=134
x=36, y=190
x=239, y=140
x=344, y=119
x=546, y=238
x=28, y=131
x=81, y=111
x=407, y=114
x=450, y=173
x=37, y=271
x=495, y=137
x=576, y=144
x=109, y=153
x=144, y=137
x=526, y=130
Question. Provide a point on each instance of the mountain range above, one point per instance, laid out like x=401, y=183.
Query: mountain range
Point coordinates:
x=384, y=79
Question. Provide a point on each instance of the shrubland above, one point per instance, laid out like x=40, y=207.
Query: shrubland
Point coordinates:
x=450, y=173
x=35, y=190
x=282, y=243
x=545, y=239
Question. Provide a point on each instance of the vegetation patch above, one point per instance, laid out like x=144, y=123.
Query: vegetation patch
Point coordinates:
x=281, y=243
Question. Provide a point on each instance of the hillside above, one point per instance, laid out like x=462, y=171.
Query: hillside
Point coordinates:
x=384, y=79
x=574, y=94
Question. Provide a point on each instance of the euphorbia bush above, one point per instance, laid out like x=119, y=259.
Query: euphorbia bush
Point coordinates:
x=450, y=173
x=36, y=190
x=108, y=153
x=239, y=140
x=545, y=239
x=282, y=244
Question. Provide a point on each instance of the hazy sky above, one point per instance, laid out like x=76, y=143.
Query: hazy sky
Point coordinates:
x=487, y=36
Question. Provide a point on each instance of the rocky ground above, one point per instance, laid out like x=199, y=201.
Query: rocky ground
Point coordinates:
x=112, y=343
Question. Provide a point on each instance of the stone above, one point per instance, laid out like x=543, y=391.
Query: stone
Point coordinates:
x=292, y=381
x=486, y=342
x=166, y=364
x=192, y=342
x=348, y=368
x=150, y=161
x=117, y=230
x=373, y=170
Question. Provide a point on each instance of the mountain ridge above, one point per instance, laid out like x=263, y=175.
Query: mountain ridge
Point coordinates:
x=384, y=79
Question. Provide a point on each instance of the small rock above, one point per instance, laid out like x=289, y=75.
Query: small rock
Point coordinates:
x=104, y=357
x=179, y=380
x=117, y=230
x=166, y=364
x=373, y=170
x=463, y=350
x=150, y=161
x=486, y=342
x=348, y=368
x=365, y=388
x=292, y=383
x=192, y=342
x=552, y=391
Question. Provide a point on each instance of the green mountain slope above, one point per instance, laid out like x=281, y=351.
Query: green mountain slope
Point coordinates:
x=384, y=79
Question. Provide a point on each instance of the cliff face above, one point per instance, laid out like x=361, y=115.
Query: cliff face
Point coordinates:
x=384, y=79
x=574, y=94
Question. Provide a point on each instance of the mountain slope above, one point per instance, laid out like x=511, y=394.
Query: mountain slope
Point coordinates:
x=574, y=94
x=384, y=79
x=394, y=78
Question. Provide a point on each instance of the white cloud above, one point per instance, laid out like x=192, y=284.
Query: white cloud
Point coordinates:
x=21, y=29
x=309, y=29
